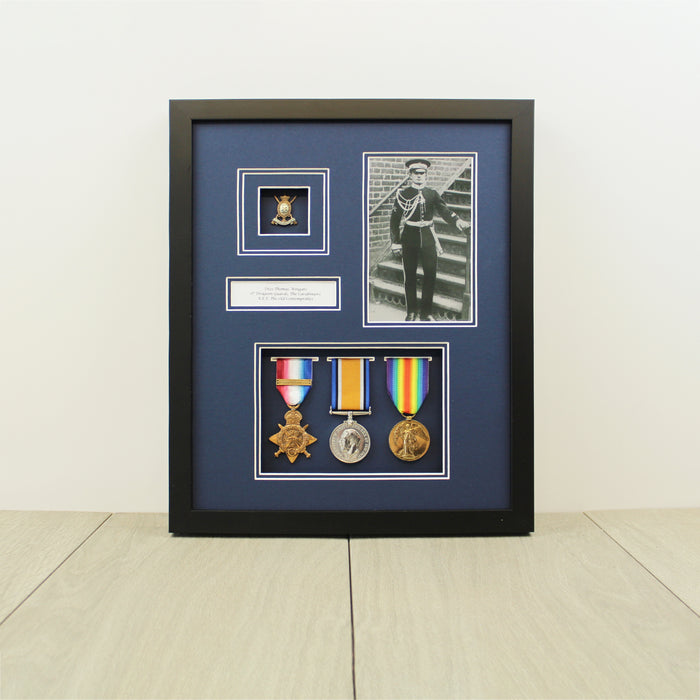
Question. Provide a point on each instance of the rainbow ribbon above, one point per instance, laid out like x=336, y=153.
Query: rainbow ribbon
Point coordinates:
x=294, y=378
x=407, y=382
x=350, y=383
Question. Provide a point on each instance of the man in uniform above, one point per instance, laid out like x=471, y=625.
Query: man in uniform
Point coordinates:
x=413, y=235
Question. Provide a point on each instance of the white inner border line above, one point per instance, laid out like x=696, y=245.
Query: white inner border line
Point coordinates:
x=352, y=476
x=365, y=241
x=284, y=232
x=324, y=173
x=336, y=307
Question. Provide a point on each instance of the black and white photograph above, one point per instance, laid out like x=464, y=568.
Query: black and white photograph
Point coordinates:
x=420, y=238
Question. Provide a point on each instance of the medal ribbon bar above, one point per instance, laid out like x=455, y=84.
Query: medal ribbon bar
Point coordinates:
x=294, y=378
x=350, y=385
x=407, y=382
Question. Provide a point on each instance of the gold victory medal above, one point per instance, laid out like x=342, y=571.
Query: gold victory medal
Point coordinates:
x=407, y=383
x=409, y=440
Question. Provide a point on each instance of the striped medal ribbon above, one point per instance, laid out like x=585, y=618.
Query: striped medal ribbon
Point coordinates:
x=350, y=442
x=407, y=381
x=350, y=383
x=293, y=379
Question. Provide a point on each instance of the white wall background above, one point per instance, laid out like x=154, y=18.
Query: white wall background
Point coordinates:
x=84, y=219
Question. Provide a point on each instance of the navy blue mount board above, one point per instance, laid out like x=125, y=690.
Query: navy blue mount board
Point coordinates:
x=477, y=476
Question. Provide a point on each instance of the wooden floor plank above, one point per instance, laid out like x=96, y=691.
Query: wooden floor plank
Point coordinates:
x=667, y=542
x=136, y=613
x=33, y=544
x=562, y=613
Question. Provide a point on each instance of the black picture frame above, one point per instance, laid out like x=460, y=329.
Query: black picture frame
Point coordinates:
x=186, y=516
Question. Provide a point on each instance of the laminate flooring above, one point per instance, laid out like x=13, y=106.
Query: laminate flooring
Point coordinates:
x=593, y=605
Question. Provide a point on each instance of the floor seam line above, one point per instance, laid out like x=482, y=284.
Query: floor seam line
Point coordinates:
x=53, y=571
x=649, y=571
x=352, y=623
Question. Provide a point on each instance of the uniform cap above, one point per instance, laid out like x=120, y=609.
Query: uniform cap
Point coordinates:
x=417, y=164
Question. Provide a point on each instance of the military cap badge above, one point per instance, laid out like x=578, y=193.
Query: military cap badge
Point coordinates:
x=284, y=211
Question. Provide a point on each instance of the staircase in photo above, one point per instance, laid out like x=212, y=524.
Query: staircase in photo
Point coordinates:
x=452, y=299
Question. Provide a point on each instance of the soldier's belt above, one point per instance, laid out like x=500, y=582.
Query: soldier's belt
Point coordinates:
x=419, y=224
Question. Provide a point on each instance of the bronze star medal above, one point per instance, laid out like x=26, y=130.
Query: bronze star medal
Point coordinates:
x=292, y=438
x=293, y=381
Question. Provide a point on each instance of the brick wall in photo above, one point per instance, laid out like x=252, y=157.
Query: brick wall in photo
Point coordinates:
x=385, y=175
